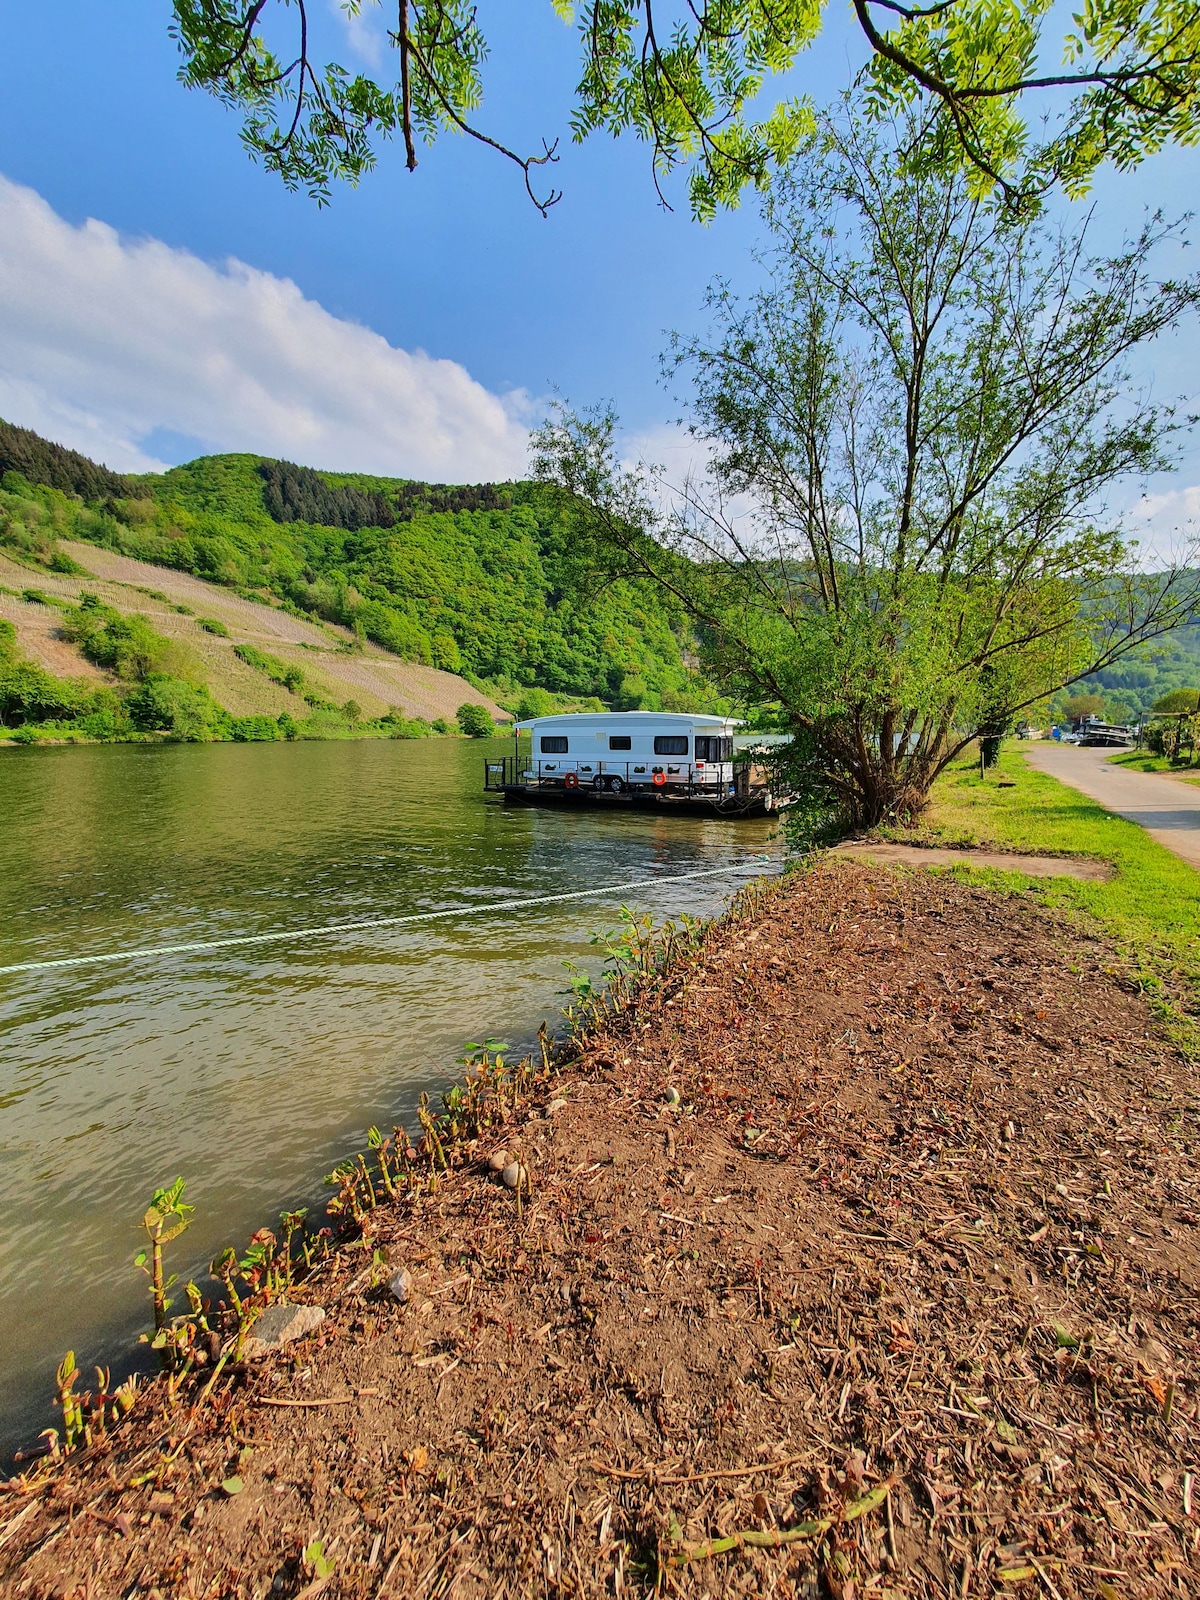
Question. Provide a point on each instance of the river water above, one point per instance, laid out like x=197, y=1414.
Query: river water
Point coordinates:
x=252, y=1071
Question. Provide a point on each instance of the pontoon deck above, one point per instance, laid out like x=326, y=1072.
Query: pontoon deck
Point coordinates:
x=633, y=759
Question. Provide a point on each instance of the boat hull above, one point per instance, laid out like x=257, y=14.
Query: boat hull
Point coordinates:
x=734, y=807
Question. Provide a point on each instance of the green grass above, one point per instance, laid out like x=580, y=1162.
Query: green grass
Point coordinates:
x=1150, y=908
x=1145, y=761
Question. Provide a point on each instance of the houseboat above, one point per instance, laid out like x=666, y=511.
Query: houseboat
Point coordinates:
x=632, y=758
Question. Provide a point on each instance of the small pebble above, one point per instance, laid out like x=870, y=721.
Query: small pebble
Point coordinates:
x=556, y=1105
x=514, y=1175
x=400, y=1286
x=499, y=1161
x=673, y=1096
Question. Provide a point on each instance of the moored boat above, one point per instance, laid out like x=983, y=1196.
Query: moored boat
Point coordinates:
x=678, y=760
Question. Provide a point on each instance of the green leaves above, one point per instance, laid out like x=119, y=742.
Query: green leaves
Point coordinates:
x=689, y=84
x=167, y=1215
x=317, y=1562
x=919, y=415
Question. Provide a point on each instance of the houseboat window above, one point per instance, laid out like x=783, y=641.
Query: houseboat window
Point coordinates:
x=670, y=744
x=713, y=749
x=554, y=744
x=620, y=741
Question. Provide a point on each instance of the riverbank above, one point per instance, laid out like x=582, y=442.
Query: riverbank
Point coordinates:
x=899, y=1295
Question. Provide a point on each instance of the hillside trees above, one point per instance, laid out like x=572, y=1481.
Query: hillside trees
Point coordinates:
x=35, y=459
x=903, y=541
x=1123, y=77
x=300, y=494
x=490, y=585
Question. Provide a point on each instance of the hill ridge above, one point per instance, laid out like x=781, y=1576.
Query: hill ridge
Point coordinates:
x=480, y=580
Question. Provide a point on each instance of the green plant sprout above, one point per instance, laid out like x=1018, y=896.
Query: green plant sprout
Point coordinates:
x=317, y=1561
x=86, y=1418
x=166, y=1218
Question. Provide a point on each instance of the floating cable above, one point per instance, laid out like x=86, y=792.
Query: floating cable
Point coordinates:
x=748, y=864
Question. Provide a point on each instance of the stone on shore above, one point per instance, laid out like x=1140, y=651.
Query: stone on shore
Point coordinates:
x=280, y=1324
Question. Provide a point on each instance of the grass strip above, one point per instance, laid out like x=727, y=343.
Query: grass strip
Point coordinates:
x=1147, y=761
x=1150, y=907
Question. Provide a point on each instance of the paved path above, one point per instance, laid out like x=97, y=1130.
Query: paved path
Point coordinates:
x=1167, y=807
x=913, y=855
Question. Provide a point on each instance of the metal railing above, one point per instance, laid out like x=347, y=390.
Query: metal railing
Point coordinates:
x=510, y=772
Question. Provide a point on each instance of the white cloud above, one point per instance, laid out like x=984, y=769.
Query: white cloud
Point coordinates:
x=105, y=339
x=1166, y=525
x=366, y=31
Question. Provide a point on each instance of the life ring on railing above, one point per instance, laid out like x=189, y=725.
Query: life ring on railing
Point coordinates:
x=571, y=781
x=659, y=779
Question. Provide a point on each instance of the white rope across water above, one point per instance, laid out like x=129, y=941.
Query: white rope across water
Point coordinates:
x=487, y=907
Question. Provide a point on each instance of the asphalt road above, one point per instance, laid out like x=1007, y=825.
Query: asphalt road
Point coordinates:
x=1167, y=807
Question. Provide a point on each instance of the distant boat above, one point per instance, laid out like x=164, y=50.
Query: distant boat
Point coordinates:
x=672, y=759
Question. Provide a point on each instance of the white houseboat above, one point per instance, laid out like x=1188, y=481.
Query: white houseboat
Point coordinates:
x=634, y=758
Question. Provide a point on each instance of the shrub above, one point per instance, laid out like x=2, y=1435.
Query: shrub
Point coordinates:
x=281, y=672
x=440, y=725
x=168, y=705
x=535, y=703
x=28, y=693
x=256, y=730
x=475, y=720
x=401, y=727
x=60, y=561
x=1178, y=702
x=213, y=625
x=128, y=646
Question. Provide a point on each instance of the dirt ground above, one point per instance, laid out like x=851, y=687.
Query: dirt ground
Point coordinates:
x=912, y=1262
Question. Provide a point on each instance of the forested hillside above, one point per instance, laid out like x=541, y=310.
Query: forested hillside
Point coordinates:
x=479, y=580
x=1130, y=688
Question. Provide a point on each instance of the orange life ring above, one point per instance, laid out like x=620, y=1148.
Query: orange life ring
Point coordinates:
x=659, y=779
x=571, y=781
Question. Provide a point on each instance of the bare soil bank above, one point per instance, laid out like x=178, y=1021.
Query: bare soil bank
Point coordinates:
x=925, y=1219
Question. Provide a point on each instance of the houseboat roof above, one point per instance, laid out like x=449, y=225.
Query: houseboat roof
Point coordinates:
x=600, y=720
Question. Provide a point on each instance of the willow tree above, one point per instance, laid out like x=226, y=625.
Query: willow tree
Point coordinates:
x=912, y=428
x=692, y=82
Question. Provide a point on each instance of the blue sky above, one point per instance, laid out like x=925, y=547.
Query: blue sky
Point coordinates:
x=451, y=261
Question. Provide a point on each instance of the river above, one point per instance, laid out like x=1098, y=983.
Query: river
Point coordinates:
x=252, y=1071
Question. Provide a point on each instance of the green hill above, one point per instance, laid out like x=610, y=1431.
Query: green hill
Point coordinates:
x=476, y=580
x=1132, y=686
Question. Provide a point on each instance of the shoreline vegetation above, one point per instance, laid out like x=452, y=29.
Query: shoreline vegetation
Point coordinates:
x=844, y=1245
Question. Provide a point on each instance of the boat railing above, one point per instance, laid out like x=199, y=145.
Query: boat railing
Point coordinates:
x=513, y=772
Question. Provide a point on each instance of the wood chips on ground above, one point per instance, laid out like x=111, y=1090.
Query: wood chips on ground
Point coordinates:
x=924, y=1221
